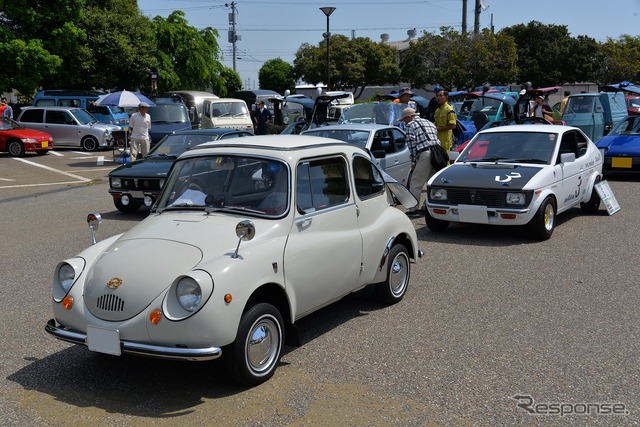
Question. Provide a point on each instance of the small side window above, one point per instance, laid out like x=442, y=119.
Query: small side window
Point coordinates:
x=321, y=184
x=32, y=116
x=368, y=180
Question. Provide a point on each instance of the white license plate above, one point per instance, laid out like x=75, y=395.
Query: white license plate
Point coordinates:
x=103, y=340
x=473, y=214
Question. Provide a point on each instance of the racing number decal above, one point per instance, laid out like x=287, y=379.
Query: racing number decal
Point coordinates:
x=579, y=185
x=509, y=177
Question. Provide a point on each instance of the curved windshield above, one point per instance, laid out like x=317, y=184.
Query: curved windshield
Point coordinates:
x=238, y=184
x=229, y=109
x=355, y=137
x=382, y=112
x=175, y=144
x=6, y=124
x=628, y=126
x=510, y=147
x=169, y=113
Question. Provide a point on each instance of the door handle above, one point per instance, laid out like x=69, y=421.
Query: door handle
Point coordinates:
x=304, y=223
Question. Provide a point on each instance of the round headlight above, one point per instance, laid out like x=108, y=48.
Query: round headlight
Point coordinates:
x=116, y=183
x=188, y=293
x=66, y=276
x=438, y=194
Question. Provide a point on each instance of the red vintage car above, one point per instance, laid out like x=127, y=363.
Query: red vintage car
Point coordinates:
x=17, y=139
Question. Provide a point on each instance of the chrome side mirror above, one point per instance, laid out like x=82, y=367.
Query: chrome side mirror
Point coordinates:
x=245, y=230
x=94, y=220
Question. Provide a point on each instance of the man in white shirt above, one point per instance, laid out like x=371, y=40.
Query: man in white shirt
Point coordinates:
x=139, y=125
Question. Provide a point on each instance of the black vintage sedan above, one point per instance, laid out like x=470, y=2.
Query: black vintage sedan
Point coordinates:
x=139, y=182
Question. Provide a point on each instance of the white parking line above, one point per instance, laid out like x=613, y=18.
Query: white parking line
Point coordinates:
x=7, y=179
x=56, y=153
x=40, y=185
x=81, y=178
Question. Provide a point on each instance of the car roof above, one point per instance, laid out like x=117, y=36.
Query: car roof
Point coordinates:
x=353, y=126
x=214, y=131
x=559, y=129
x=289, y=148
x=50, y=107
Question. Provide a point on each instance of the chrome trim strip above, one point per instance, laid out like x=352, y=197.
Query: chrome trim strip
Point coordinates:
x=193, y=354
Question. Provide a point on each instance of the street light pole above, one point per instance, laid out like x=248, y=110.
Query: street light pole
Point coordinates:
x=327, y=11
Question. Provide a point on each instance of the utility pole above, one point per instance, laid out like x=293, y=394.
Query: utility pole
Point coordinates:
x=476, y=22
x=233, y=37
x=464, y=16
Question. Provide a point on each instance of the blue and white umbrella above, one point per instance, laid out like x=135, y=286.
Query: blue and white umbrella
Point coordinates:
x=124, y=99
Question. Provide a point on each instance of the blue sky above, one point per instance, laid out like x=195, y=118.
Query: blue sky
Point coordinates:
x=276, y=28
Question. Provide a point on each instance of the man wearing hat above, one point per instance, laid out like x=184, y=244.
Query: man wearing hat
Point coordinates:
x=421, y=136
x=404, y=96
x=139, y=125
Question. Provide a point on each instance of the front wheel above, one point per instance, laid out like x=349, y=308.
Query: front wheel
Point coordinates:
x=433, y=224
x=253, y=357
x=90, y=143
x=542, y=224
x=393, y=289
x=15, y=148
x=593, y=204
x=130, y=208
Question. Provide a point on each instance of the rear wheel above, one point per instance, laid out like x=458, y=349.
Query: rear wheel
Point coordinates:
x=130, y=208
x=253, y=357
x=393, y=289
x=89, y=143
x=15, y=148
x=542, y=224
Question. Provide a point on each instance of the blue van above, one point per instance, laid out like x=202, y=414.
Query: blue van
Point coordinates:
x=595, y=113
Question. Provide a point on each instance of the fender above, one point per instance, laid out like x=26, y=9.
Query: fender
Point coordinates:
x=594, y=178
x=540, y=197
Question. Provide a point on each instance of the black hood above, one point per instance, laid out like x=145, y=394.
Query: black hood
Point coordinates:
x=499, y=176
x=156, y=167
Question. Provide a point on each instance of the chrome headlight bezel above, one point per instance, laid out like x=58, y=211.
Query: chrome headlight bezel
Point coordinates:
x=187, y=295
x=517, y=199
x=65, y=276
x=115, y=182
x=438, y=194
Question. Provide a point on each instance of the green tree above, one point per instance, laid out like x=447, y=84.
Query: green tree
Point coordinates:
x=187, y=58
x=230, y=80
x=277, y=74
x=45, y=31
x=621, y=60
x=354, y=63
x=542, y=51
x=460, y=61
x=123, y=46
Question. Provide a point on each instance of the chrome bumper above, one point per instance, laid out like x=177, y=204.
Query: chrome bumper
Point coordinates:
x=193, y=354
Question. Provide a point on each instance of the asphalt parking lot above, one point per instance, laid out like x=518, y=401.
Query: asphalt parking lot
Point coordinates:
x=496, y=329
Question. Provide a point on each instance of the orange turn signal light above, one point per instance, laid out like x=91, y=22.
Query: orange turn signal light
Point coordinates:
x=440, y=211
x=155, y=316
x=508, y=216
x=67, y=302
x=228, y=298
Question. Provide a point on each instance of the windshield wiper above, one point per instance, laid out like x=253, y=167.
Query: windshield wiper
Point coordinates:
x=486, y=159
x=526, y=160
x=233, y=208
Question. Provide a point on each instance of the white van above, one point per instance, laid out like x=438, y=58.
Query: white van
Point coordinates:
x=226, y=113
